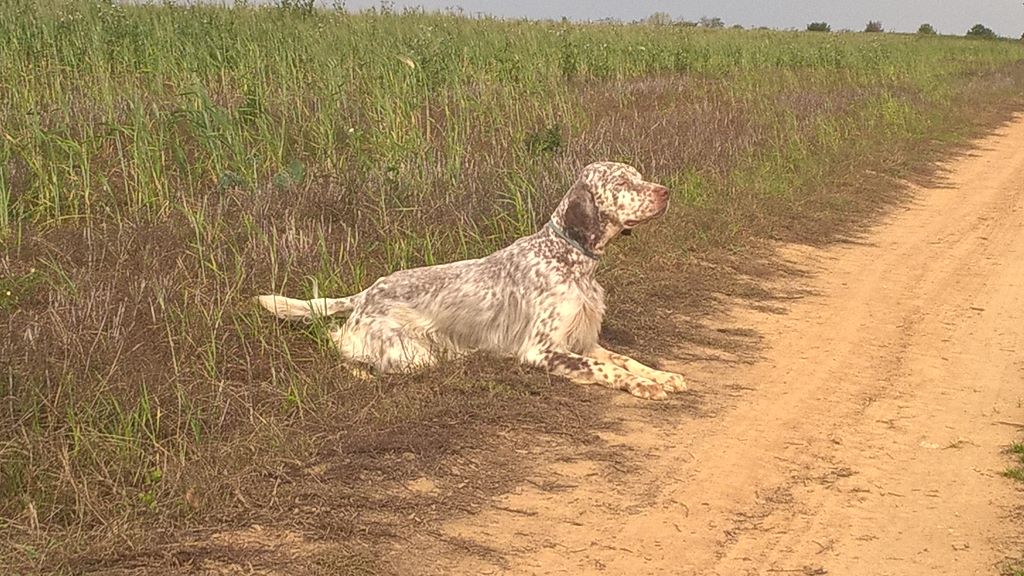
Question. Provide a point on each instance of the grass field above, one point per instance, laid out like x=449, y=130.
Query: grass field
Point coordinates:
x=160, y=165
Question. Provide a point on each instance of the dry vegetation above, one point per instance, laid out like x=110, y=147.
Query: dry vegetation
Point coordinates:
x=160, y=165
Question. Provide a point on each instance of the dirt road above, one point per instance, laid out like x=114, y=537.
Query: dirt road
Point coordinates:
x=866, y=436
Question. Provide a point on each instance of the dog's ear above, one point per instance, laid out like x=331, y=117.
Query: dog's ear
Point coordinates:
x=581, y=220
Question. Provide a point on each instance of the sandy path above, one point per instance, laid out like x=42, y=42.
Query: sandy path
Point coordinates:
x=866, y=438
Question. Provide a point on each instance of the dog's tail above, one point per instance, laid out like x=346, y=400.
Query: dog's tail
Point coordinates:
x=294, y=309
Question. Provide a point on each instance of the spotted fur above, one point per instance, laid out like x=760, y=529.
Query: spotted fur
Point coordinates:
x=536, y=300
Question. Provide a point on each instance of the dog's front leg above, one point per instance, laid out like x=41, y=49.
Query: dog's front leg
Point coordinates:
x=670, y=381
x=584, y=370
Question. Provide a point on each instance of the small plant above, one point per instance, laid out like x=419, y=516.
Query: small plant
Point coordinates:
x=147, y=497
x=546, y=141
x=981, y=31
x=1012, y=568
x=874, y=26
x=1016, y=471
x=926, y=30
x=290, y=177
x=13, y=288
x=819, y=27
x=230, y=180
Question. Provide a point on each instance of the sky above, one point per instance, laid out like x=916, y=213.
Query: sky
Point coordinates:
x=1006, y=17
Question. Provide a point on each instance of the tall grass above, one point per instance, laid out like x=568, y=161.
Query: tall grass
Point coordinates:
x=161, y=164
x=111, y=110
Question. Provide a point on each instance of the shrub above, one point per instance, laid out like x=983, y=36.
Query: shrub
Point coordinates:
x=926, y=30
x=874, y=26
x=715, y=22
x=981, y=31
x=819, y=27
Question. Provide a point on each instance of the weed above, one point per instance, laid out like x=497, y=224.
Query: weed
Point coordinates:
x=1016, y=471
x=1012, y=568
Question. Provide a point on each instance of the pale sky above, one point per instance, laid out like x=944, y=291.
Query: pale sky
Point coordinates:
x=1006, y=17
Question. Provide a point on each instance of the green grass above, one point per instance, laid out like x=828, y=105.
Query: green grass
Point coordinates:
x=129, y=112
x=1016, y=471
x=159, y=165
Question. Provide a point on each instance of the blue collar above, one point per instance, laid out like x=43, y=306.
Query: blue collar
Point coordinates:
x=561, y=234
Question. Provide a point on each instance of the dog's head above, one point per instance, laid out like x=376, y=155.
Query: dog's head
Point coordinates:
x=608, y=198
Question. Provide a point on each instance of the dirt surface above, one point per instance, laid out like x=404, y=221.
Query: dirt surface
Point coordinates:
x=865, y=435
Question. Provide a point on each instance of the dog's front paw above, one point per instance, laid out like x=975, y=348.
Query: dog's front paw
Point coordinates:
x=671, y=382
x=644, y=388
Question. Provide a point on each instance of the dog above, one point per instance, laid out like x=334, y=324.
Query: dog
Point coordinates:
x=536, y=300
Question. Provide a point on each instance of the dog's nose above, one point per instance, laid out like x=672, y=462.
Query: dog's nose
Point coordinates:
x=660, y=192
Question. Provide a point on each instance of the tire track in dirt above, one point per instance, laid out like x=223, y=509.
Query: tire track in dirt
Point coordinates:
x=867, y=439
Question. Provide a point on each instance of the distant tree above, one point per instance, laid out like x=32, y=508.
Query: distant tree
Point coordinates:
x=819, y=27
x=874, y=26
x=981, y=31
x=737, y=26
x=715, y=22
x=1022, y=37
x=659, y=19
x=926, y=30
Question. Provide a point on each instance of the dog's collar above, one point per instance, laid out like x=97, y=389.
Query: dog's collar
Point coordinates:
x=561, y=234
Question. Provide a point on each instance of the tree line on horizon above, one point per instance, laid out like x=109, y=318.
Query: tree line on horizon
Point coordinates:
x=976, y=31
x=666, y=19
x=874, y=26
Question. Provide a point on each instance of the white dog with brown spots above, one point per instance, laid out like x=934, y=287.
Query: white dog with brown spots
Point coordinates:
x=536, y=300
